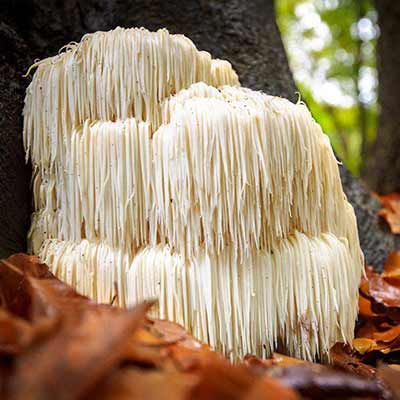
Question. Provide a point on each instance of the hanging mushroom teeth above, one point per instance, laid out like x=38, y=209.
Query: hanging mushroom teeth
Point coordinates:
x=108, y=76
x=240, y=307
x=156, y=175
x=240, y=167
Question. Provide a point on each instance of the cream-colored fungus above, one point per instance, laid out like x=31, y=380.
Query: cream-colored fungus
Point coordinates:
x=106, y=187
x=109, y=76
x=241, y=168
x=301, y=296
x=156, y=175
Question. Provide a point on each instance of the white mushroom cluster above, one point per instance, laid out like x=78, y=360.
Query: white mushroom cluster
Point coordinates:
x=157, y=176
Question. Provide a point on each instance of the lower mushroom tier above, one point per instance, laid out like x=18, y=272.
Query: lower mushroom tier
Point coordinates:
x=301, y=298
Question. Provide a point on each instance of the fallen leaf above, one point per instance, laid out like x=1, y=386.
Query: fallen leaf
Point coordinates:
x=15, y=294
x=366, y=331
x=388, y=335
x=160, y=333
x=270, y=389
x=220, y=380
x=315, y=381
x=134, y=383
x=363, y=345
x=15, y=333
x=392, y=219
x=365, y=308
x=391, y=377
x=275, y=360
x=383, y=292
x=391, y=211
x=391, y=272
x=77, y=357
x=164, y=344
x=346, y=359
x=85, y=342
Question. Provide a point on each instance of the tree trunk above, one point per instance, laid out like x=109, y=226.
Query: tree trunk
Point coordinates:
x=14, y=173
x=244, y=33
x=383, y=169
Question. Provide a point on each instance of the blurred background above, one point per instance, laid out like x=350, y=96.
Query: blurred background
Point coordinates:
x=332, y=49
x=345, y=60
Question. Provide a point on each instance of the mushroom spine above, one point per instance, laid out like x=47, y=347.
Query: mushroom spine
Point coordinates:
x=157, y=175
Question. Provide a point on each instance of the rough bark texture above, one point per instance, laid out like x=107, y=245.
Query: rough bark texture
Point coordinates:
x=245, y=33
x=376, y=240
x=383, y=168
x=14, y=173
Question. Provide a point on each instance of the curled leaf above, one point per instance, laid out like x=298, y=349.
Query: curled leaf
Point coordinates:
x=391, y=211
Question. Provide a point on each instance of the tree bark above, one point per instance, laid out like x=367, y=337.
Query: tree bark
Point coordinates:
x=245, y=33
x=383, y=168
x=14, y=173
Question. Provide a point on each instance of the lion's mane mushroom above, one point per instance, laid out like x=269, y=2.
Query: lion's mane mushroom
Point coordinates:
x=156, y=175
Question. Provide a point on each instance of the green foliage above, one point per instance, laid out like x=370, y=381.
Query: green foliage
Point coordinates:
x=331, y=46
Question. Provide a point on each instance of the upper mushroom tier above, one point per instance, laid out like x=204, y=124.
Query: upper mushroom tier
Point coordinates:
x=109, y=76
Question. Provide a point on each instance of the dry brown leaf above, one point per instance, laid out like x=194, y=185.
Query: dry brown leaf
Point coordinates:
x=390, y=375
x=275, y=360
x=15, y=289
x=363, y=345
x=388, y=335
x=346, y=359
x=316, y=381
x=383, y=292
x=164, y=344
x=219, y=380
x=84, y=340
x=76, y=358
x=270, y=389
x=134, y=383
x=364, y=306
x=391, y=272
x=392, y=219
x=391, y=211
x=15, y=333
